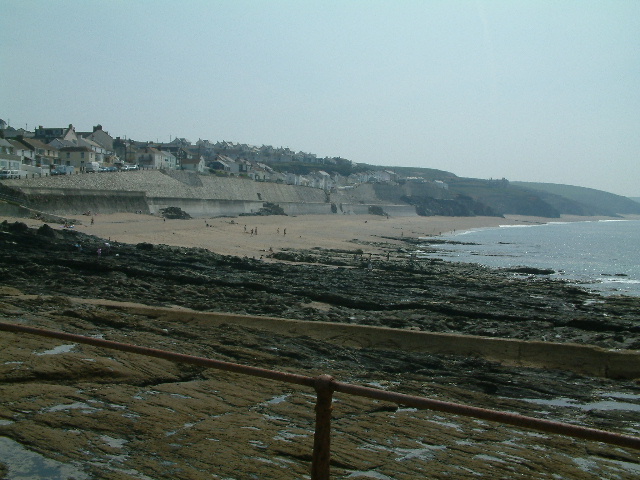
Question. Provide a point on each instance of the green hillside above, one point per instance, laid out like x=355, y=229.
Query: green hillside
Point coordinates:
x=426, y=173
x=503, y=197
x=597, y=201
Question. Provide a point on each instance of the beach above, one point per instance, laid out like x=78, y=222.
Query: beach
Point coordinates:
x=233, y=235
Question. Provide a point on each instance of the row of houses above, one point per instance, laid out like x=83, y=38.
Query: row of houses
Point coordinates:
x=45, y=148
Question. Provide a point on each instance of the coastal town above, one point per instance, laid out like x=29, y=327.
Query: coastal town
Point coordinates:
x=64, y=150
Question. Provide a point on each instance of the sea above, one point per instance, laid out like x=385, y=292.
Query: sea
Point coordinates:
x=602, y=256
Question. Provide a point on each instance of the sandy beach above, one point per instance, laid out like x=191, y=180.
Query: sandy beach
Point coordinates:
x=233, y=236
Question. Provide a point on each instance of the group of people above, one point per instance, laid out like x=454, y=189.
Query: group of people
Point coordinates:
x=254, y=231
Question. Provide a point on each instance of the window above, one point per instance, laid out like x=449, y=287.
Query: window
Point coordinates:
x=81, y=154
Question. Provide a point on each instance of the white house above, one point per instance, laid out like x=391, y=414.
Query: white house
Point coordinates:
x=150, y=157
x=321, y=179
x=170, y=162
x=295, y=179
x=25, y=153
x=9, y=160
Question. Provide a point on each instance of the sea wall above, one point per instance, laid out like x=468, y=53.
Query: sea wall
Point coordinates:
x=150, y=191
x=61, y=201
x=581, y=359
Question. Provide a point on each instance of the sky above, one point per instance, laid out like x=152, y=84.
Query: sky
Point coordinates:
x=530, y=90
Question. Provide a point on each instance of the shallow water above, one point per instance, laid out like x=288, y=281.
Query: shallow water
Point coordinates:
x=601, y=255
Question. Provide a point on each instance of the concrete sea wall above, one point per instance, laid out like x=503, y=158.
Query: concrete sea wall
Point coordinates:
x=150, y=191
x=581, y=359
x=77, y=201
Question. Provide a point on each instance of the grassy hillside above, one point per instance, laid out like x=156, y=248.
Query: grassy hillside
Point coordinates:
x=426, y=173
x=603, y=203
x=503, y=197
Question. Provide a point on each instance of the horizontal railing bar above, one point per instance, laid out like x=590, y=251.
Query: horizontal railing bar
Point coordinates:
x=491, y=415
x=175, y=357
x=373, y=393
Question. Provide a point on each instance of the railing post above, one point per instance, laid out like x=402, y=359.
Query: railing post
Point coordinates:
x=322, y=436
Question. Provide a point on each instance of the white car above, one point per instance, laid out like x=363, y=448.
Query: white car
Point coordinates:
x=9, y=174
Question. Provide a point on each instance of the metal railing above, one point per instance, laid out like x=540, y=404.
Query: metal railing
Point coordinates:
x=326, y=385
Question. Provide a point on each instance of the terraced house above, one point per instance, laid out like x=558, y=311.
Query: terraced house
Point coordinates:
x=8, y=158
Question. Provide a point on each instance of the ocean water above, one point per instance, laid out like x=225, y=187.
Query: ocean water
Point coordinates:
x=602, y=256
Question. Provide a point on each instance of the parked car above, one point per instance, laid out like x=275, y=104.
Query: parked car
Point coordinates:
x=63, y=170
x=9, y=174
x=92, y=167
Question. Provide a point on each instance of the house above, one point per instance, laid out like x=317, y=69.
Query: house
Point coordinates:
x=27, y=156
x=221, y=164
x=41, y=153
x=100, y=137
x=321, y=179
x=263, y=172
x=295, y=179
x=99, y=150
x=125, y=150
x=380, y=176
x=193, y=164
x=244, y=167
x=10, y=132
x=46, y=135
x=150, y=157
x=9, y=160
x=77, y=156
x=225, y=164
x=170, y=162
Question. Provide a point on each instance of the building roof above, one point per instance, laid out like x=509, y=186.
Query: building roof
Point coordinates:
x=34, y=143
x=60, y=142
x=76, y=148
x=17, y=145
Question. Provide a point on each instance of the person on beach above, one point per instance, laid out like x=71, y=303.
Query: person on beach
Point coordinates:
x=92, y=220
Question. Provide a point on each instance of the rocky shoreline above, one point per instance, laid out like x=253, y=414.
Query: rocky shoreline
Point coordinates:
x=324, y=285
x=346, y=286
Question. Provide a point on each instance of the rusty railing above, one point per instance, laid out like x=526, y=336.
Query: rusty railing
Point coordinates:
x=326, y=385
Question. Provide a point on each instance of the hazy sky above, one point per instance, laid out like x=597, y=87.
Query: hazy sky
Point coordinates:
x=528, y=90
